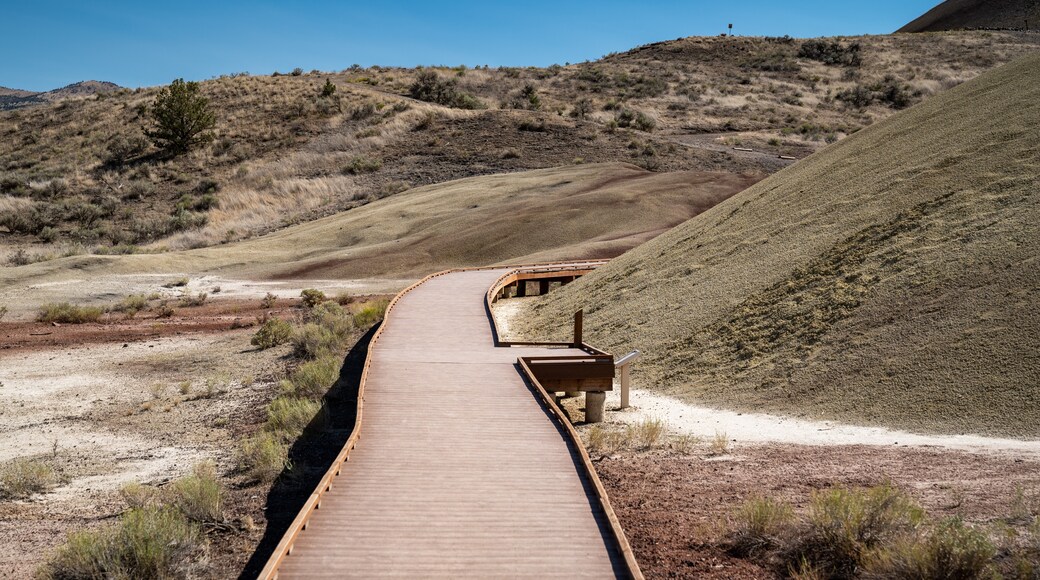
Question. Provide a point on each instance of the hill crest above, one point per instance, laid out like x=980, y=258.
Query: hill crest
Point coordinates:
x=978, y=15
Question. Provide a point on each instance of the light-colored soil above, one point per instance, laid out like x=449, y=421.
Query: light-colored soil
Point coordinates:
x=758, y=428
x=889, y=280
x=95, y=413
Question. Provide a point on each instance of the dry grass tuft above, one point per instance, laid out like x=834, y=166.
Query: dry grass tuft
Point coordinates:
x=719, y=443
x=604, y=441
x=685, y=443
x=645, y=434
x=23, y=477
x=199, y=496
x=262, y=457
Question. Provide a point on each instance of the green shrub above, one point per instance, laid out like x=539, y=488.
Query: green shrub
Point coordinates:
x=290, y=416
x=846, y=525
x=199, y=496
x=332, y=316
x=951, y=551
x=312, y=341
x=362, y=164
x=759, y=526
x=831, y=52
x=312, y=297
x=326, y=333
x=525, y=99
x=370, y=313
x=3, y=311
x=273, y=332
x=66, y=313
x=268, y=300
x=328, y=89
x=148, y=542
x=429, y=87
x=889, y=91
x=313, y=378
x=22, y=477
x=644, y=122
x=582, y=108
x=262, y=457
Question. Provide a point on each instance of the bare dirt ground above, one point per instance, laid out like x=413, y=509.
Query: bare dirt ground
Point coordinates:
x=144, y=399
x=673, y=506
x=106, y=414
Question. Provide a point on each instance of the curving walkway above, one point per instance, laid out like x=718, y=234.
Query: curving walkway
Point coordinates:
x=459, y=471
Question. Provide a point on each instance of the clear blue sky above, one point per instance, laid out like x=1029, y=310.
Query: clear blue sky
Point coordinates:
x=46, y=44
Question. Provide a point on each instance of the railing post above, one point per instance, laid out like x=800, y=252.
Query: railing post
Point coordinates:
x=624, y=387
x=577, y=329
x=623, y=363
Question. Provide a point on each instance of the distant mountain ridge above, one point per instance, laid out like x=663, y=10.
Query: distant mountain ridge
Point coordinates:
x=978, y=14
x=18, y=98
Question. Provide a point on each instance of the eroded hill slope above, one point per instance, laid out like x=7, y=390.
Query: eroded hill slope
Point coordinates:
x=891, y=279
x=978, y=14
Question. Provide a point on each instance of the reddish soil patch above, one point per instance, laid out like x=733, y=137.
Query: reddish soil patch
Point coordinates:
x=213, y=316
x=216, y=315
x=673, y=507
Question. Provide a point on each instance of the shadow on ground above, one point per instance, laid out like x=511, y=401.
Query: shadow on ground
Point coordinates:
x=312, y=455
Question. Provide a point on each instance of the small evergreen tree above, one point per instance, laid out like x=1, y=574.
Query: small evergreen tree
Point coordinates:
x=182, y=118
x=329, y=89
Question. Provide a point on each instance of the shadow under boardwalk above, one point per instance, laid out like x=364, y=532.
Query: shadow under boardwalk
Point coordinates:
x=312, y=455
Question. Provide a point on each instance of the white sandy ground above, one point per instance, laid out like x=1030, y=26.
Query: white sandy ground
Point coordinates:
x=24, y=300
x=56, y=401
x=740, y=428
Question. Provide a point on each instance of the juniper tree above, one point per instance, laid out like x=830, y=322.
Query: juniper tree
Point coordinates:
x=182, y=118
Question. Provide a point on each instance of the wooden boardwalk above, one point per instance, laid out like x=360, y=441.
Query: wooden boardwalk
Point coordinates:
x=460, y=470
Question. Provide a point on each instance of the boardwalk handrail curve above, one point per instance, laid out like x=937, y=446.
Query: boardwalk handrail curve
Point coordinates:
x=620, y=538
x=299, y=523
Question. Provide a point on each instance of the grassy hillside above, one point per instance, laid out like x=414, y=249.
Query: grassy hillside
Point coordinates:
x=586, y=211
x=978, y=14
x=77, y=176
x=891, y=279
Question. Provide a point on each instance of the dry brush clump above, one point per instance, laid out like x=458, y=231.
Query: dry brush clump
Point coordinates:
x=876, y=532
x=66, y=313
x=161, y=535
